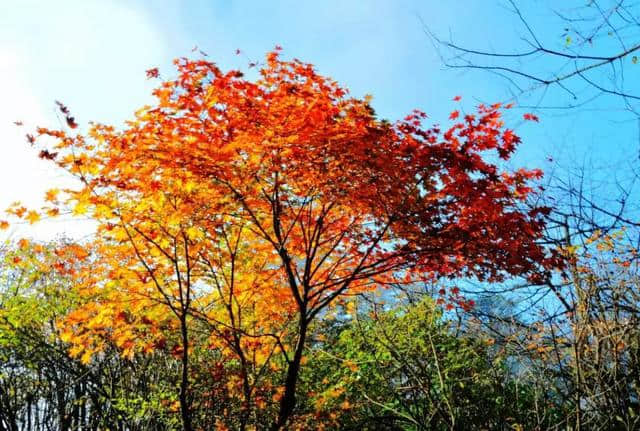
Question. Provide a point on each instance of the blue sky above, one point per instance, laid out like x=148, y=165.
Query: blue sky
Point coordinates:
x=92, y=55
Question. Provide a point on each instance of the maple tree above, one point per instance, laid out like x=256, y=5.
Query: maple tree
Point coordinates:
x=254, y=205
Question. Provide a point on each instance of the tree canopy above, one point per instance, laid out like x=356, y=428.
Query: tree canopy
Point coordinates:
x=245, y=208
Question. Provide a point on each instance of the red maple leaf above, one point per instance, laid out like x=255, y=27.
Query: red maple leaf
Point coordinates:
x=152, y=73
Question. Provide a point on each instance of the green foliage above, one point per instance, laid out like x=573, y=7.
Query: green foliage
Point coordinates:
x=375, y=367
x=407, y=368
x=41, y=386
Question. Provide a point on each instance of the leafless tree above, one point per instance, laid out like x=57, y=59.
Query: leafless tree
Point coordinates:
x=586, y=51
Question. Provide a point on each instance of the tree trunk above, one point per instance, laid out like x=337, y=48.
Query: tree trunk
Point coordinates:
x=185, y=408
x=288, y=401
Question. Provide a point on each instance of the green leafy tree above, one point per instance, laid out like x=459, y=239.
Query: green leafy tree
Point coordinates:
x=408, y=368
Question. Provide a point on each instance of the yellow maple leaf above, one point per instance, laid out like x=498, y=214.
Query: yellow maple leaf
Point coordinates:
x=32, y=216
x=193, y=233
x=86, y=357
x=80, y=208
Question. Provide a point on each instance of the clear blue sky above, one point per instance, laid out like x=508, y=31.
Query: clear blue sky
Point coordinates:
x=92, y=55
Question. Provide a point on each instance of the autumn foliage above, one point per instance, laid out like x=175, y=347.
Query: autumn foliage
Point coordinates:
x=251, y=205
